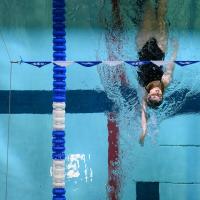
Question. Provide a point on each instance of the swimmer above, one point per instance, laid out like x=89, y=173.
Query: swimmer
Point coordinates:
x=151, y=43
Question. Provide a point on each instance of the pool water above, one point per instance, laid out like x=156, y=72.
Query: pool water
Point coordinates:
x=103, y=157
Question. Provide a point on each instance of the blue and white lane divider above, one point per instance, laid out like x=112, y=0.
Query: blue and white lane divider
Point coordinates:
x=59, y=97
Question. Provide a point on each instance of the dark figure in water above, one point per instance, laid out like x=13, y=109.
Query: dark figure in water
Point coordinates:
x=151, y=44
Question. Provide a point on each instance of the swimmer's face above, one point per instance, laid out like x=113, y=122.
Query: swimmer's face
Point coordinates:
x=155, y=94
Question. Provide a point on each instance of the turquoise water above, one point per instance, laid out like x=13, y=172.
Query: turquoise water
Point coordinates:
x=171, y=151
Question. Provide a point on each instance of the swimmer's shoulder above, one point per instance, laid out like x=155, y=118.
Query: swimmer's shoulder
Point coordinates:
x=165, y=80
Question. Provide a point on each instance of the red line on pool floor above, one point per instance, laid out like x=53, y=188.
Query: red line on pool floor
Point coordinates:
x=114, y=46
x=113, y=157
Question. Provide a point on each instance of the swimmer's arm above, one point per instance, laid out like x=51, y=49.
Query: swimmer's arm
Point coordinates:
x=167, y=77
x=144, y=118
x=144, y=123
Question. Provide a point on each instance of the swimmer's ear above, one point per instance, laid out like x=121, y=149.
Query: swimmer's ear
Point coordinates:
x=145, y=98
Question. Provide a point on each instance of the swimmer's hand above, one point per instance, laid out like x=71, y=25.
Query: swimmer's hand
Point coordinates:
x=141, y=140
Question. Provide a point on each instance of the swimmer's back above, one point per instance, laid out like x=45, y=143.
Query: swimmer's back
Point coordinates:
x=150, y=72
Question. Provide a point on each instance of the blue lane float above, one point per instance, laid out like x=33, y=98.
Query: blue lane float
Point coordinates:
x=59, y=98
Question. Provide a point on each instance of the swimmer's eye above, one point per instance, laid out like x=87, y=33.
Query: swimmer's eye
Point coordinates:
x=156, y=95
